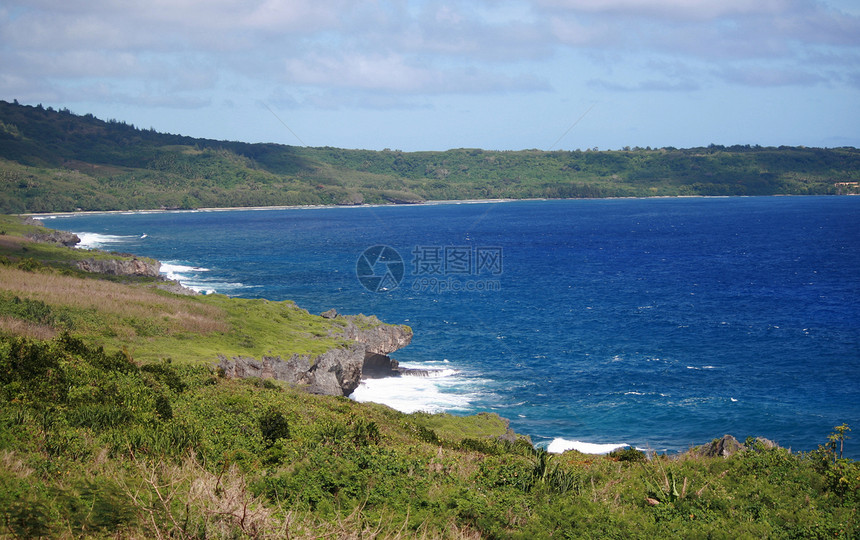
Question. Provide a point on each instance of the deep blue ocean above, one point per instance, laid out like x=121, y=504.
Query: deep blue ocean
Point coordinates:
x=660, y=323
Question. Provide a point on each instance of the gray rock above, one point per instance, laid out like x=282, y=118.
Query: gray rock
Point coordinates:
x=378, y=337
x=724, y=447
x=330, y=314
x=176, y=288
x=336, y=372
x=765, y=444
x=61, y=238
x=121, y=267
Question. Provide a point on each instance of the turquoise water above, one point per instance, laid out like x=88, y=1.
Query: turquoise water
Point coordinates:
x=660, y=323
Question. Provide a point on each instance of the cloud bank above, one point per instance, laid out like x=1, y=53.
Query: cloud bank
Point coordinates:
x=402, y=54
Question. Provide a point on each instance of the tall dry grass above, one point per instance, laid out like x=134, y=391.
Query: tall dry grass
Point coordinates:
x=184, y=500
x=179, y=314
x=26, y=328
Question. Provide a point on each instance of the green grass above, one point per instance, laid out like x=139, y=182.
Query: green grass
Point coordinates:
x=447, y=426
x=93, y=445
x=257, y=328
x=130, y=313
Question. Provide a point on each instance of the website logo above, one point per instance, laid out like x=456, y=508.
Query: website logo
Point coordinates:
x=435, y=268
x=380, y=268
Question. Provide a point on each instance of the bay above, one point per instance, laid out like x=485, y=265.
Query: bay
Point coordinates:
x=661, y=323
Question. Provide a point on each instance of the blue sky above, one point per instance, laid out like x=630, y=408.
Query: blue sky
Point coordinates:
x=433, y=75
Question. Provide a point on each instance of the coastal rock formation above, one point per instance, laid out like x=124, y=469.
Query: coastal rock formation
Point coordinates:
x=379, y=340
x=379, y=366
x=176, y=288
x=728, y=446
x=724, y=447
x=61, y=238
x=121, y=267
x=378, y=337
x=336, y=372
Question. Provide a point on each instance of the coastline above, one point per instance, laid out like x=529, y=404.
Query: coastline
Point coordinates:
x=434, y=202
x=323, y=217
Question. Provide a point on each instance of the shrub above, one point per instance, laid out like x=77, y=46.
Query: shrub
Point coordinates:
x=274, y=426
x=628, y=454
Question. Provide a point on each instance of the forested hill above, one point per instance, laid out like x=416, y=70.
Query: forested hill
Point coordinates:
x=54, y=161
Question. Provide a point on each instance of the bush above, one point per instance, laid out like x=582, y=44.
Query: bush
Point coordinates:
x=274, y=426
x=628, y=454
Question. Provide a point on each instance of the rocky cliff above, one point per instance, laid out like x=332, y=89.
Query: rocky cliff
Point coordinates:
x=121, y=267
x=337, y=371
x=380, y=340
x=60, y=238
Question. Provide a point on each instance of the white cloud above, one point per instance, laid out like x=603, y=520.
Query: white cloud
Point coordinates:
x=771, y=76
x=403, y=49
x=397, y=74
x=672, y=9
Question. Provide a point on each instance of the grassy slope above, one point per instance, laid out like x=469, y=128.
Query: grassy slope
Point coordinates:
x=132, y=314
x=56, y=161
x=93, y=446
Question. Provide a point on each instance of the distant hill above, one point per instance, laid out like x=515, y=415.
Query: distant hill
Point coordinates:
x=54, y=160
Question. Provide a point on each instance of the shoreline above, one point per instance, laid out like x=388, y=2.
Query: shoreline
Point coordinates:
x=428, y=203
x=435, y=202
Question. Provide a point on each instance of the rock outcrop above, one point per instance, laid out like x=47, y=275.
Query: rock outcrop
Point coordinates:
x=379, y=340
x=724, y=447
x=336, y=372
x=61, y=238
x=728, y=446
x=378, y=337
x=121, y=267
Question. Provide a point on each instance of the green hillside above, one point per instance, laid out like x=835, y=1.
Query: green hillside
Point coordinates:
x=54, y=161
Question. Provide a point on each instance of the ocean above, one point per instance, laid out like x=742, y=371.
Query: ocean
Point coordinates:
x=589, y=324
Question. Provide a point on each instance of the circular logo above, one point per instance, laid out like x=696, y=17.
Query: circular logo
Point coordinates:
x=379, y=269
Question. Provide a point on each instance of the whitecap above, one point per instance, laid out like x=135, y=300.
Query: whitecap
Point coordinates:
x=97, y=241
x=190, y=276
x=183, y=273
x=441, y=390
x=560, y=445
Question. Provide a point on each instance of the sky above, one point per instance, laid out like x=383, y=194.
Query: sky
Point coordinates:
x=432, y=75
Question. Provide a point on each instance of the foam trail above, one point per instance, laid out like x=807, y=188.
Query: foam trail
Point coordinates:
x=560, y=445
x=178, y=272
x=97, y=241
x=190, y=276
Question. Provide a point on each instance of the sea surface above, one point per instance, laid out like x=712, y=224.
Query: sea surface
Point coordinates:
x=590, y=324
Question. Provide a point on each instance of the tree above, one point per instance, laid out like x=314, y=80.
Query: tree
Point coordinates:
x=839, y=436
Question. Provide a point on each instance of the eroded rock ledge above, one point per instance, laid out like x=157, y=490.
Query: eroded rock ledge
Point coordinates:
x=337, y=371
x=60, y=238
x=122, y=267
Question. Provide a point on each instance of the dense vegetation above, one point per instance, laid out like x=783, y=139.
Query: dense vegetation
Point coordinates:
x=54, y=161
x=94, y=444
